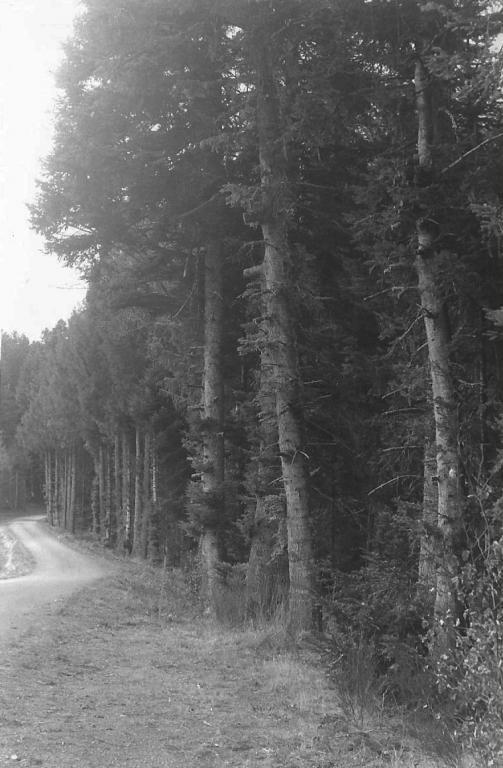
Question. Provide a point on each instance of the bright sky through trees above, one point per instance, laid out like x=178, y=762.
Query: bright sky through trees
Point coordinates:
x=35, y=290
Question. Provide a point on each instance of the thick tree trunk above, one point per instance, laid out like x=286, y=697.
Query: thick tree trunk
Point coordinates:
x=427, y=573
x=267, y=572
x=210, y=559
x=282, y=354
x=267, y=577
x=212, y=474
x=428, y=266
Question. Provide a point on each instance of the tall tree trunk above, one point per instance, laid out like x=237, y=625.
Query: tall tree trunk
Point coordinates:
x=66, y=489
x=95, y=499
x=57, y=489
x=48, y=487
x=154, y=526
x=267, y=572
x=428, y=266
x=73, y=488
x=108, y=501
x=63, y=489
x=212, y=474
x=117, y=488
x=138, y=511
x=16, y=490
x=126, y=493
x=101, y=489
x=147, y=499
x=95, y=453
x=282, y=353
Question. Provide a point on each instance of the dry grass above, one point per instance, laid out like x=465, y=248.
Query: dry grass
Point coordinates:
x=128, y=674
x=109, y=679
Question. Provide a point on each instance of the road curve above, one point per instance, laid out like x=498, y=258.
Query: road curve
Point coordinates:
x=58, y=572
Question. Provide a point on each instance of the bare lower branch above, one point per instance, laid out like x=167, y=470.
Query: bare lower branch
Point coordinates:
x=199, y=207
x=471, y=151
x=393, y=480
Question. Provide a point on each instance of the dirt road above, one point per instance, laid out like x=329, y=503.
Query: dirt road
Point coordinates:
x=55, y=571
x=124, y=672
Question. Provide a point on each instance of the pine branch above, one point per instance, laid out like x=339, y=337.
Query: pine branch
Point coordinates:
x=402, y=448
x=388, y=482
x=471, y=151
x=403, y=335
x=199, y=207
x=410, y=409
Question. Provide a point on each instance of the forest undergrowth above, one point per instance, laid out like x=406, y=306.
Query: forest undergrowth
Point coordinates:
x=131, y=672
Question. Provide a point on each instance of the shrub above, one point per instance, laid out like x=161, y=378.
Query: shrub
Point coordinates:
x=470, y=679
x=375, y=627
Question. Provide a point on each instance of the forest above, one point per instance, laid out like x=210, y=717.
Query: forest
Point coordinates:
x=287, y=374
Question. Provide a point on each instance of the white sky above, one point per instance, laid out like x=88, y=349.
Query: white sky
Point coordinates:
x=35, y=290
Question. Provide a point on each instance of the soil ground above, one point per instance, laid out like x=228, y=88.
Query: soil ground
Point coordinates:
x=127, y=673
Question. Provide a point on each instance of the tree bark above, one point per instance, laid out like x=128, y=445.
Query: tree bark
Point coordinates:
x=428, y=266
x=126, y=493
x=97, y=487
x=73, y=488
x=66, y=489
x=147, y=500
x=108, y=524
x=154, y=526
x=101, y=489
x=428, y=556
x=267, y=572
x=57, y=489
x=212, y=474
x=117, y=495
x=138, y=510
x=49, y=496
x=282, y=354
x=16, y=490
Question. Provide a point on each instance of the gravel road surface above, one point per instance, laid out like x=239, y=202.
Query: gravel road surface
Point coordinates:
x=57, y=571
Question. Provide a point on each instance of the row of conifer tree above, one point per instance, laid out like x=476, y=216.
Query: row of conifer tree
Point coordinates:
x=289, y=217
